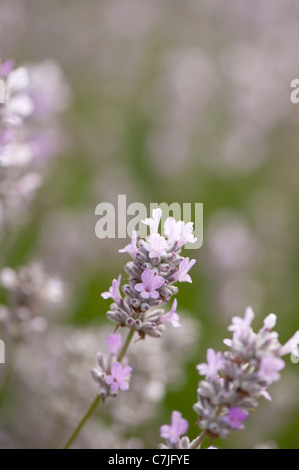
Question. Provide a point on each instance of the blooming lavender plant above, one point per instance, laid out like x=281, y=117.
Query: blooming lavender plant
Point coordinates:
x=235, y=379
x=155, y=267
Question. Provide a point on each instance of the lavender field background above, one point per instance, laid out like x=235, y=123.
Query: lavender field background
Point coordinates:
x=173, y=101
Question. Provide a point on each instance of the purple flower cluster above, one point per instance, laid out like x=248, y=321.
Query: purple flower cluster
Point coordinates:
x=110, y=373
x=155, y=267
x=235, y=379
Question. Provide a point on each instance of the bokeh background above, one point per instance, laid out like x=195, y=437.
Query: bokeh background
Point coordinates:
x=174, y=101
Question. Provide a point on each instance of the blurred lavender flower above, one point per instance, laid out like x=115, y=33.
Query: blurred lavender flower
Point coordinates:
x=31, y=293
x=114, y=343
x=155, y=267
x=214, y=363
x=28, y=128
x=178, y=426
x=235, y=417
x=245, y=372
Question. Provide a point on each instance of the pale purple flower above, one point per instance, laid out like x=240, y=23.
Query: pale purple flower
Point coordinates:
x=17, y=80
x=172, y=317
x=153, y=222
x=179, y=232
x=241, y=326
x=18, y=103
x=264, y=393
x=156, y=246
x=172, y=229
x=150, y=282
x=117, y=378
x=114, y=343
x=48, y=89
x=269, y=367
x=186, y=235
x=290, y=345
x=214, y=363
x=132, y=247
x=178, y=427
x=181, y=275
x=235, y=417
x=113, y=292
x=270, y=321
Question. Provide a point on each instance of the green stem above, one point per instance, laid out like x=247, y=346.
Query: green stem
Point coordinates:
x=125, y=346
x=85, y=418
x=198, y=441
x=97, y=399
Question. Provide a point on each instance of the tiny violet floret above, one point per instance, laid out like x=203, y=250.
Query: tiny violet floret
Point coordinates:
x=269, y=368
x=214, y=363
x=235, y=417
x=153, y=222
x=177, y=427
x=156, y=246
x=184, y=267
x=113, y=292
x=116, y=379
x=132, y=247
x=149, y=285
x=172, y=317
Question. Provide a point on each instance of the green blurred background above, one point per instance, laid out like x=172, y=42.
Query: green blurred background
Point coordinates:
x=175, y=102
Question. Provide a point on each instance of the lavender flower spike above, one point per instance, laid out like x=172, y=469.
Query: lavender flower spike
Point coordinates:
x=155, y=267
x=235, y=379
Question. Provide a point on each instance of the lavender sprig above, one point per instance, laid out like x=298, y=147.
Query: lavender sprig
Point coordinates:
x=156, y=266
x=236, y=378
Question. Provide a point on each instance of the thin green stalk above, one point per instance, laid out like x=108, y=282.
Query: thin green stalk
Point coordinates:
x=97, y=399
x=125, y=346
x=85, y=418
